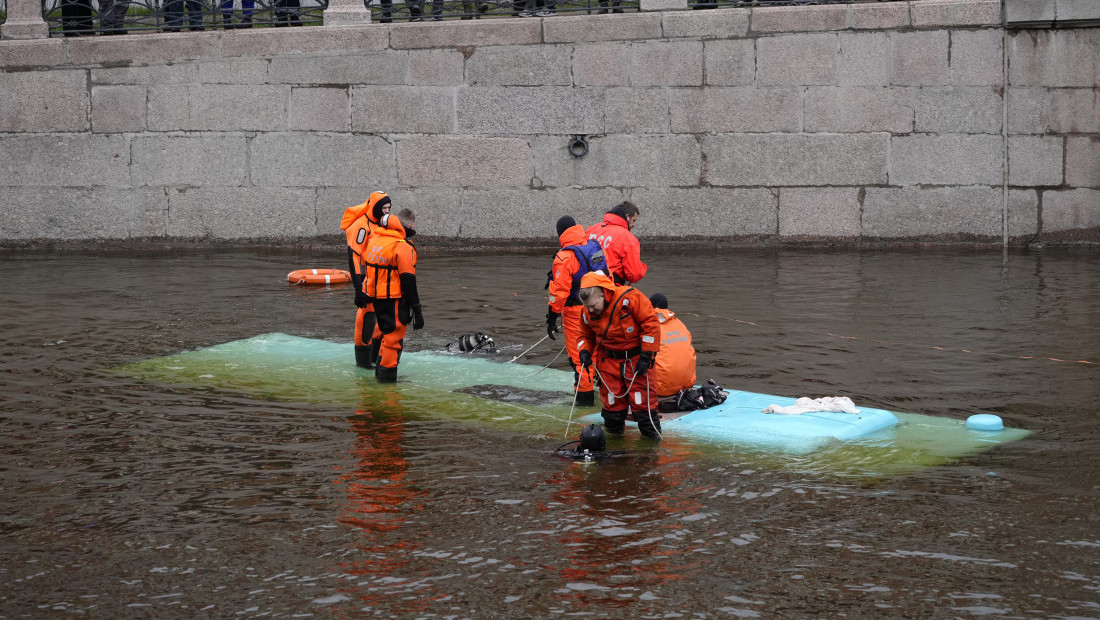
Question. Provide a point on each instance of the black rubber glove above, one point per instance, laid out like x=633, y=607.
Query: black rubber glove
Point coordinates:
x=361, y=299
x=586, y=359
x=645, y=362
x=418, y=317
x=551, y=323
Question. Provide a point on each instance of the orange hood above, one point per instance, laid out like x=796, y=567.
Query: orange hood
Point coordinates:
x=390, y=221
x=368, y=208
x=574, y=235
x=351, y=214
x=595, y=278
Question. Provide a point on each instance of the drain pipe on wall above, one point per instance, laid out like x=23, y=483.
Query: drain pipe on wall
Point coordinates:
x=1004, y=133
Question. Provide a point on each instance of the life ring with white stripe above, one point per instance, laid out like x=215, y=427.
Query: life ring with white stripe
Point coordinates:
x=318, y=276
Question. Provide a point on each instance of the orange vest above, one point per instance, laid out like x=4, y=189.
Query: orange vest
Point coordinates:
x=674, y=369
x=388, y=255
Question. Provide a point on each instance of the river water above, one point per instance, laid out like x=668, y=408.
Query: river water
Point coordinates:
x=130, y=499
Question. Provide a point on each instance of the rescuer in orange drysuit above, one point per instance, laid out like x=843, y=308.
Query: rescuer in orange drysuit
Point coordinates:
x=620, y=246
x=621, y=335
x=675, y=367
x=578, y=255
x=390, y=280
x=357, y=224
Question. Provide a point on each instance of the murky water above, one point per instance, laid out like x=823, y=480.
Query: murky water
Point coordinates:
x=126, y=499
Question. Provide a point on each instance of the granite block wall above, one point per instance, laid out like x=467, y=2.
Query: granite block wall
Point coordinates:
x=923, y=120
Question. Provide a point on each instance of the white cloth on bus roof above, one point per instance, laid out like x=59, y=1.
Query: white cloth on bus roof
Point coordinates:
x=841, y=404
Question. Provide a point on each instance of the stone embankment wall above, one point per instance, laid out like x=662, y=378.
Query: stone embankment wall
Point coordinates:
x=911, y=120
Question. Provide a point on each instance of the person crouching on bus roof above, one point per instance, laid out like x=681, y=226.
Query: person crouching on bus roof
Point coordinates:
x=621, y=336
x=357, y=223
x=578, y=255
x=674, y=370
x=391, y=283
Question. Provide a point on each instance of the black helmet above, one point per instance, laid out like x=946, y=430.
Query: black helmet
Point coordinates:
x=592, y=438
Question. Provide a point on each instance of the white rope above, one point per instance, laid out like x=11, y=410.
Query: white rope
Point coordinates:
x=528, y=350
x=551, y=361
x=570, y=422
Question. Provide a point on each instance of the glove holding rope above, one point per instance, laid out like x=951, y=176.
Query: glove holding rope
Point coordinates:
x=586, y=359
x=551, y=323
x=645, y=362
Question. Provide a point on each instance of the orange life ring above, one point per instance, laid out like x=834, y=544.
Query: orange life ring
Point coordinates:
x=318, y=276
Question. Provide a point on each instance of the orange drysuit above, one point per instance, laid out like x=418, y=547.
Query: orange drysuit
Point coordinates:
x=620, y=248
x=357, y=224
x=390, y=280
x=626, y=327
x=674, y=368
x=562, y=293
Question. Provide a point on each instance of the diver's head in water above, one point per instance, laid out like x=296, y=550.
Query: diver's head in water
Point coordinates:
x=469, y=343
x=592, y=446
x=592, y=438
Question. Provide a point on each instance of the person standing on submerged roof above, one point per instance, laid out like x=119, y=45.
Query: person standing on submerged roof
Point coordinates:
x=578, y=255
x=357, y=223
x=674, y=369
x=391, y=283
x=620, y=246
x=621, y=336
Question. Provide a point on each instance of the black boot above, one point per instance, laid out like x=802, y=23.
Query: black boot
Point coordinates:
x=385, y=375
x=363, y=358
x=586, y=399
x=375, y=355
x=649, y=423
x=614, y=421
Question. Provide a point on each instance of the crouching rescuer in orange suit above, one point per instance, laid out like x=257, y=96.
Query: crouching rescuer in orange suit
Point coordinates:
x=578, y=255
x=621, y=336
x=390, y=280
x=357, y=223
x=674, y=370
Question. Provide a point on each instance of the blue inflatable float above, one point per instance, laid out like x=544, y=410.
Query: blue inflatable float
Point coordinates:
x=529, y=400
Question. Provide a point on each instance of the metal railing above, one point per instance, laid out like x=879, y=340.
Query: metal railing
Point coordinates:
x=91, y=17
x=88, y=17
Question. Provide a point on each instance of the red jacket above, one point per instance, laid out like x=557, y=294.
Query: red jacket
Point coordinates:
x=620, y=248
x=628, y=320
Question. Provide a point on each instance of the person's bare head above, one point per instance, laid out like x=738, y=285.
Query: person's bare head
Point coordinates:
x=593, y=300
x=630, y=213
x=407, y=217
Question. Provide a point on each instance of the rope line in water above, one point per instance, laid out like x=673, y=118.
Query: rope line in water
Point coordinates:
x=873, y=340
x=897, y=344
